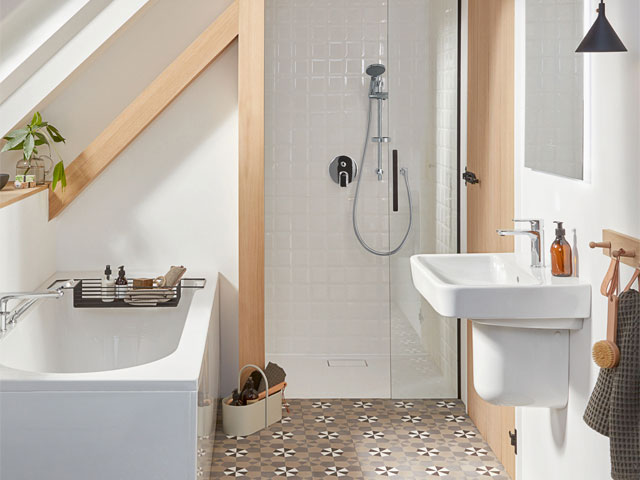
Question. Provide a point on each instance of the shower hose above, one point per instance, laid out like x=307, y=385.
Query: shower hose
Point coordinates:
x=404, y=173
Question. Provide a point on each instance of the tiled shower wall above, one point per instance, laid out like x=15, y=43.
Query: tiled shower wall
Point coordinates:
x=325, y=295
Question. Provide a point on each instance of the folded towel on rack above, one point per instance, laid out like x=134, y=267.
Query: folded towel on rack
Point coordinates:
x=149, y=297
x=614, y=407
x=173, y=276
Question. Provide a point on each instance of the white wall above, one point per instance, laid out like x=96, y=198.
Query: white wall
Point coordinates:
x=27, y=244
x=171, y=197
x=557, y=444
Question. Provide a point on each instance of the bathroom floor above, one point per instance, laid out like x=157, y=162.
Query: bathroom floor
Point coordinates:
x=356, y=439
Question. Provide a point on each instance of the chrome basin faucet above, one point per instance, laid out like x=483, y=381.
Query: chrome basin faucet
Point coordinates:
x=11, y=316
x=536, y=234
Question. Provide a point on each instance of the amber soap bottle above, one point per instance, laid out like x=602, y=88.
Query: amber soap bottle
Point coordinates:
x=561, y=260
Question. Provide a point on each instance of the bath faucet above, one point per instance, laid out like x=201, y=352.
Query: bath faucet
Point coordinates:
x=11, y=316
x=536, y=234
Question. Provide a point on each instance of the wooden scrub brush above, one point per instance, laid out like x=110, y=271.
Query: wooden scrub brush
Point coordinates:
x=606, y=353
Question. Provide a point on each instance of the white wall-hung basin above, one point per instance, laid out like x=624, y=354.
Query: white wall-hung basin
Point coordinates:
x=521, y=321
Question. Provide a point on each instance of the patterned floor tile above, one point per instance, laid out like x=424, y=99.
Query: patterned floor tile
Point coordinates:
x=354, y=439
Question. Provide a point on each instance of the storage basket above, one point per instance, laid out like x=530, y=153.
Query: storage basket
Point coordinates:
x=244, y=420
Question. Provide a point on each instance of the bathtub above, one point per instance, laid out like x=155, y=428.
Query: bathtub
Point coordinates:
x=109, y=394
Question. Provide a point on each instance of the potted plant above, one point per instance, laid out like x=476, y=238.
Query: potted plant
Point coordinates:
x=28, y=139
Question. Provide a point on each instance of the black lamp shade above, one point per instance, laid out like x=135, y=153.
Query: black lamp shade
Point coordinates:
x=602, y=37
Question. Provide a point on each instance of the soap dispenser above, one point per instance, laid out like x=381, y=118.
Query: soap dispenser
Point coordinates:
x=561, y=259
x=108, y=289
x=121, y=283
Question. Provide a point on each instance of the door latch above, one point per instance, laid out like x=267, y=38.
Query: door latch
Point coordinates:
x=469, y=177
x=514, y=440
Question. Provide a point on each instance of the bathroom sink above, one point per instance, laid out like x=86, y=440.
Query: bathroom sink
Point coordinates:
x=521, y=319
x=499, y=286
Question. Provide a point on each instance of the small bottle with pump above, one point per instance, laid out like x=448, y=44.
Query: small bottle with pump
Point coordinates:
x=561, y=258
x=121, y=283
x=108, y=283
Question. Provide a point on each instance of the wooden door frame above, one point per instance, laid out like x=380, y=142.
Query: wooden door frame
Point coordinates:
x=251, y=341
x=491, y=156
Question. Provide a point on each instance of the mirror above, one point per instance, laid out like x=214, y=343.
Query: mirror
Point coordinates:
x=554, y=125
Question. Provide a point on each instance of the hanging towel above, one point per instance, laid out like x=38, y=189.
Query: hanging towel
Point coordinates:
x=614, y=407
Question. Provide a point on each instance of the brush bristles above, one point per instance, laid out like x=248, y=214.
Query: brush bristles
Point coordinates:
x=605, y=354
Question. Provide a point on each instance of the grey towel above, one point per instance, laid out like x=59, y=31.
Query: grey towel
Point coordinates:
x=614, y=407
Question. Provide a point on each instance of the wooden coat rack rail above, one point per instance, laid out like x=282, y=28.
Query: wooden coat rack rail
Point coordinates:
x=616, y=244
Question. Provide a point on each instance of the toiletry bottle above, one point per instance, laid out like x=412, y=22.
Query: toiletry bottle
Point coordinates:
x=561, y=261
x=108, y=289
x=121, y=283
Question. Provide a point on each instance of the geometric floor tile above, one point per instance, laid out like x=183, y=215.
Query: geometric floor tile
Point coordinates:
x=331, y=452
x=235, y=472
x=379, y=452
x=322, y=418
x=488, y=471
x=356, y=439
x=286, y=471
x=455, y=418
x=284, y=452
x=336, y=472
x=368, y=418
x=387, y=471
x=438, y=471
x=411, y=418
x=429, y=452
x=478, y=452
x=235, y=452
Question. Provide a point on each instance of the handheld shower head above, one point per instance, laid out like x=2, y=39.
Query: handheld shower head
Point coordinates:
x=375, y=70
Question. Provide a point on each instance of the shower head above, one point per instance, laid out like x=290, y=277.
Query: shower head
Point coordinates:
x=375, y=70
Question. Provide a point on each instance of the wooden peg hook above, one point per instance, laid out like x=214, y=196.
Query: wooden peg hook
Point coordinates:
x=599, y=244
x=623, y=253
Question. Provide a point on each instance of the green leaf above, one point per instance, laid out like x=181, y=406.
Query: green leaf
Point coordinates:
x=14, y=142
x=36, y=120
x=41, y=139
x=29, y=144
x=55, y=134
x=59, y=176
x=15, y=133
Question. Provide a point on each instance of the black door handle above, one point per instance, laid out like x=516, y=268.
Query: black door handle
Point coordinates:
x=395, y=180
x=469, y=177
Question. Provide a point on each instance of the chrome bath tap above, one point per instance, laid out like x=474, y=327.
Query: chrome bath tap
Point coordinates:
x=30, y=298
x=536, y=234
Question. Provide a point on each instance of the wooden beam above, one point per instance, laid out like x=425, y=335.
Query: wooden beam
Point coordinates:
x=251, y=181
x=146, y=107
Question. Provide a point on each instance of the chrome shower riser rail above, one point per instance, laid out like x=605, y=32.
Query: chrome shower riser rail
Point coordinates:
x=403, y=171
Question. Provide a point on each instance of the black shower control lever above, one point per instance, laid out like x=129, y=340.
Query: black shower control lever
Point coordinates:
x=469, y=177
x=343, y=170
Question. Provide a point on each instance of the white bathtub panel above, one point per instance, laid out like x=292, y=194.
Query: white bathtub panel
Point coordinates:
x=82, y=435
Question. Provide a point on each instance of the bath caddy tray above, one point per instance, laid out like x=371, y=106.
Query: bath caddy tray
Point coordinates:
x=88, y=293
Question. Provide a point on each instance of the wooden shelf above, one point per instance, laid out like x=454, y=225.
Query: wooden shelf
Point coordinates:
x=9, y=194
